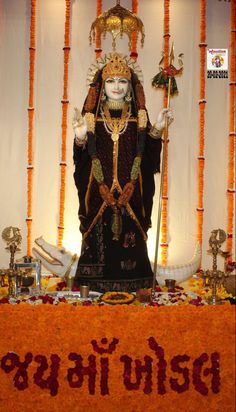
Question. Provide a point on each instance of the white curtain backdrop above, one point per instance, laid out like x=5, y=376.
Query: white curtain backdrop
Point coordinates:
x=183, y=146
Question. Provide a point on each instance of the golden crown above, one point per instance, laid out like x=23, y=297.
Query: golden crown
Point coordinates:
x=116, y=67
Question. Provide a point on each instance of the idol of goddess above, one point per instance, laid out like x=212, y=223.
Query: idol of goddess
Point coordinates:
x=116, y=154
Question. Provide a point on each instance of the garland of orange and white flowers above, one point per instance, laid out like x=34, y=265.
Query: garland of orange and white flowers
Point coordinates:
x=134, y=35
x=164, y=213
x=65, y=104
x=202, y=103
x=30, y=125
x=232, y=83
x=98, y=47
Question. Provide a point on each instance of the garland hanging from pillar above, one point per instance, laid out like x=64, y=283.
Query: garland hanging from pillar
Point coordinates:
x=65, y=104
x=134, y=35
x=231, y=177
x=164, y=213
x=202, y=104
x=30, y=125
x=98, y=47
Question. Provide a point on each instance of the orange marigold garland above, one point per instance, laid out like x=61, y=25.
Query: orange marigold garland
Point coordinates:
x=134, y=35
x=202, y=103
x=98, y=47
x=30, y=125
x=230, y=189
x=65, y=103
x=164, y=214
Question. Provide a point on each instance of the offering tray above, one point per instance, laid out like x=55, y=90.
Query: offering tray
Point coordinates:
x=117, y=298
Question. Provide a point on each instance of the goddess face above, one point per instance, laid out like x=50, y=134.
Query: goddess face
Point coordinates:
x=116, y=88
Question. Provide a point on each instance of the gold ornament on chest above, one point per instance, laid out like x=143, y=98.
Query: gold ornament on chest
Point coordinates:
x=116, y=126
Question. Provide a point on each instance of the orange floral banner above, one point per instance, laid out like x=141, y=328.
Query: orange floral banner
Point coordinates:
x=232, y=134
x=65, y=103
x=30, y=167
x=98, y=48
x=61, y=358
x=134, y=34
x=202, y=104
x=164, y=213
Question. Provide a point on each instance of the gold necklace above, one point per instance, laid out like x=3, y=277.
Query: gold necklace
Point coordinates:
x=115, y=126
x=115, y=104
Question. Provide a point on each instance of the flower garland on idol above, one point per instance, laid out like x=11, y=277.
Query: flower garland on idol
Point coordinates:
x=30, y=167
x=65, y=103
x=202, y=103
x=231, y=176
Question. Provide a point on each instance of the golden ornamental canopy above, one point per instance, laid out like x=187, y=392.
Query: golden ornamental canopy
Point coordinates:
x=117, y=21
